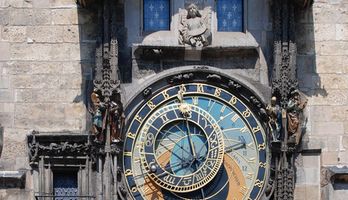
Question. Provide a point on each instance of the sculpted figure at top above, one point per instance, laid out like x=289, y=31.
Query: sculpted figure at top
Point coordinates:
x=194, y=27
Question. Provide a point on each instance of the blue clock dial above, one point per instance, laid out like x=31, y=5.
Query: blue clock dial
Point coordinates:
x=195, y=141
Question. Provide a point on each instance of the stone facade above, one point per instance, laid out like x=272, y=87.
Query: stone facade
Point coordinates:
x=322, y=72
x=47, y=58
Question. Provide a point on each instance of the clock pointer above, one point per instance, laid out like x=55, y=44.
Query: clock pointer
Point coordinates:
x=185, y=110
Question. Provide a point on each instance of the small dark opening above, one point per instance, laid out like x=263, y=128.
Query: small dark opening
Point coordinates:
x=340, y=182
x=65, y=185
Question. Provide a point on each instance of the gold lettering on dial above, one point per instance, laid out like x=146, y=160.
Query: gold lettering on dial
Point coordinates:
x=256, y=129
x=128, y=172
x=244, y=129
x=165, y=95
x=169, y=179
x=151, y=105
x=235, y=118
x=164, y=118
x=217, y=92
x=200, y=88
x=131, y=135
x=246, y=113
x=233, y=100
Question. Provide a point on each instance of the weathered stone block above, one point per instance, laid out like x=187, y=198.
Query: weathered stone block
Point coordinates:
x=331, y=64
x=329, y=158
x=4, y=82
x=341, y=31
x=63, y=3
x=6, y=119
x=4, y=51
x=332, y=48
x=329, y=97
x=334, y=81
x=327, y=128
x=41, y=17
x=14, y=33
x=41, y=3
x=7, y=107
x=4, y=17
x=6, y=95
x=329, y=113
x=21, y=17
x=71, y=34
x=324, y=32
x=64, y=16
x=307, y=191
x=46, y=34
x=70, y=81
x=20, y=3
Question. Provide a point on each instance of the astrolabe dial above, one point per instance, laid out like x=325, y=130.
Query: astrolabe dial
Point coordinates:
x=183, y=148
x=195, y=141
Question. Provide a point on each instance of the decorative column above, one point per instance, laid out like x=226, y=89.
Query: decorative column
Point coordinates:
x=287, y=104
x=106, y=106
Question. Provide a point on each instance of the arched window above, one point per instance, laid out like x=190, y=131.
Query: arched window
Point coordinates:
x=156, y=15
x=230, y=15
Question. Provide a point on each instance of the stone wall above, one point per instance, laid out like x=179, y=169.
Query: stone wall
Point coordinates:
x=46, y=55
x=322, y=36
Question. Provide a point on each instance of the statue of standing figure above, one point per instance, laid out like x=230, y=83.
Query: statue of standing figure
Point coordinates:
x=296, y=104
x=194, y=27
x=274, y=111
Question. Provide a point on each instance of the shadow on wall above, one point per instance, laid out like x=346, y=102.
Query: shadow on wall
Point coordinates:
x=309, y=79
x=88, y=31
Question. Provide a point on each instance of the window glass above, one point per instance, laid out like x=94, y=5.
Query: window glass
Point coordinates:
x=230, y=15
x=65, y=185
x=156, y=15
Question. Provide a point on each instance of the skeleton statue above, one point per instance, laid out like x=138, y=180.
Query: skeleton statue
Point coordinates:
x=194, y=27
x=296, y=104
x=274, y=111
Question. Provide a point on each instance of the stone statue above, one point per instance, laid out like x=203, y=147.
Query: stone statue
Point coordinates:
x=274, y=111
x=296, y=104
x=194, y=27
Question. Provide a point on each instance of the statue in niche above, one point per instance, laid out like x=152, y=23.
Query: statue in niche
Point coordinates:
x=274, y=111
x=297, y=102
x=194, y=27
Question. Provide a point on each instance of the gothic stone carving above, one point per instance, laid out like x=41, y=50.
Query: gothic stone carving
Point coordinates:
x=194, y=26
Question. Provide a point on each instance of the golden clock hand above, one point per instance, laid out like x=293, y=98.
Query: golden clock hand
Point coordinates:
x=234, y=147
x=192, y=146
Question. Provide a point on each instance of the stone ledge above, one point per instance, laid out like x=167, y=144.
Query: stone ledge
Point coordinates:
x=12, y=179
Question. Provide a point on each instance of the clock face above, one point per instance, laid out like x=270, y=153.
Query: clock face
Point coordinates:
x=195, y=141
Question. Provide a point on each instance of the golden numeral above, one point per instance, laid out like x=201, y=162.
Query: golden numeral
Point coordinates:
x=246, y=113
x=131, y=135
x=134, y=189
x=250, y=176
x=182, y=88
x=262, y=146
x=165, y=95
x=138, y=118
x=195, y=101
x=258, y=183
x=256, y=129
x=251, y=160
x=200, y=88
x=223, y=109
x=151, y=105
x=243, y=189
x=128, y=172
x=126, y=153
x=217, y=92
x=235, y=118
x=164, y=118
x=233, y=100
x=262, y=164
x=244, y=129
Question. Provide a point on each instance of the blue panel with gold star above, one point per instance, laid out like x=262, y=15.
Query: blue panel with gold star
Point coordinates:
x=230, y=15
x=156, y=15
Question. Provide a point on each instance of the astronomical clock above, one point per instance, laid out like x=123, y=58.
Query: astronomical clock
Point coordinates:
x=195, y=136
